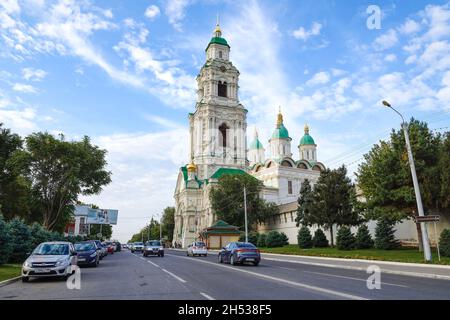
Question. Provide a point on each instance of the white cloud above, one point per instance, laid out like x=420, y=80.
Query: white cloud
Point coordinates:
x=319, y=78
x=10, y=6
x=24, y=88
x=304, y=34
x=410, y=26
x=175, y=11
x=152, y=12
x=386, y=41
x=390, y=57
x=31, y=74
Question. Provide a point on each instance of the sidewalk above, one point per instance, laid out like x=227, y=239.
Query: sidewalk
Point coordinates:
x=401, y=268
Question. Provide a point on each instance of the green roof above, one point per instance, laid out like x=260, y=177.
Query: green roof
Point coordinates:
x=222, y=224
x=307, y=140
x=280, y=132
x=256, y=144
x=223, y=171
x=218, y=40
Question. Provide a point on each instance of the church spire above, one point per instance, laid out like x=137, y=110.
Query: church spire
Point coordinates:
x=280, y=118
x=217, y=30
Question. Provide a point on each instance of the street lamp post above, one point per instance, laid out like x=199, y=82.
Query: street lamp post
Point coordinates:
x=245, y=214
x=426, y=243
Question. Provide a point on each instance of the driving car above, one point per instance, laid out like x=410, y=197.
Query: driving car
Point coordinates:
x=50, y=259
x=197, y=248
x=137, y=246
x=88, y=253
x=153, y=247
x=239, y=253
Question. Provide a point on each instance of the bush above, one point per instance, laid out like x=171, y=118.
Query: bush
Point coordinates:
x=363, y=238
x=285, y=239
x=319, y=239
x=261, y=240
x=444, y=243
x=5, y=242
x=274, y=239
x=384, y=235
x=345, y=239
x=304, y=238
x=252, y=237
x=39, y=234
x=20, y=239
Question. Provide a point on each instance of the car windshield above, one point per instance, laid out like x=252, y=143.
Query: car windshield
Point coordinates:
x=244, y=245
x=199, y=244
x=52, y=249
x=138, y=244
x=84, y=246
x=153, y=243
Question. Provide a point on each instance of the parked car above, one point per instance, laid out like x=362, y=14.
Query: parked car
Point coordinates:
x=88, y=253
x=105, y=248
x=197, y=248
x=153, y=247
x=240, y=252
x=109, y=246
x=118, y=246
x=50, y=259
x=103, y=251
x=137, y=246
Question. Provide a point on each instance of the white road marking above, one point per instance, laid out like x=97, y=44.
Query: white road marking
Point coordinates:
x=153, y=263
x=174, y=275
x=283, y=268
x=292, y=283
x=207, y=296
x=352, y=278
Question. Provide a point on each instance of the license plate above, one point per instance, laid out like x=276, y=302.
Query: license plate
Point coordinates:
x=250, y=259
x=81, y=259
x=42, y=270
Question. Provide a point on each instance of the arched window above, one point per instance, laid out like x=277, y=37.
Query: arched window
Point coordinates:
x=222, y=89
x=223, y=132
x=286, y=163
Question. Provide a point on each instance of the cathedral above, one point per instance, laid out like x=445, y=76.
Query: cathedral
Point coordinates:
x=218, y=146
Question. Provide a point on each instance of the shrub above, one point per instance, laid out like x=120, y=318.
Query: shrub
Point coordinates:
x=304, y=238
x=39, y=234
x=319, y=239
x=363, y=238
x=274, y=239
x=444, y=243
x=252, y=237
x=345, y=239
x=384, y=235
x=5, y=242
x=20, y=239
x=261, y=240
x=285, y=239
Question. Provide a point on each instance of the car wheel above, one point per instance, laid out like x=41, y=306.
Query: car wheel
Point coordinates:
x=255, y=263
x=162, y=255
x=220, y=258
x=25, y=279
x=205, y=255
x=232, y=261
x=187, y=253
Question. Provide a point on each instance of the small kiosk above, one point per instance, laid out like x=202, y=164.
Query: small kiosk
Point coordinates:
x=219, y=235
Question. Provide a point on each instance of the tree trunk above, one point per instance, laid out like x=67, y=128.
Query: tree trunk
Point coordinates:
x=419, y=237
x=331, y=236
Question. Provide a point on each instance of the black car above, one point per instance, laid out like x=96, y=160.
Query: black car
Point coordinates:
x=88, y=253
x=239, y=253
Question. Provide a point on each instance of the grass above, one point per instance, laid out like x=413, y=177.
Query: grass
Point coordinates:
x=400, y=255
x=8, y=271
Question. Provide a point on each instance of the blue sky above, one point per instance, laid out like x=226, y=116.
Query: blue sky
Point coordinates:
x=123, y=72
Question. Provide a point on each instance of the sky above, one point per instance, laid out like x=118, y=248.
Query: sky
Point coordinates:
x=123, y=73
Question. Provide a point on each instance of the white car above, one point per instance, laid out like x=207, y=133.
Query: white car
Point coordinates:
x=197, y=248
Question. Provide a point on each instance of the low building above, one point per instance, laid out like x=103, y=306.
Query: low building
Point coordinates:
x=219, y=235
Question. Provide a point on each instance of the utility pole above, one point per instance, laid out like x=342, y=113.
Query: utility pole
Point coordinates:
x=423, y=226
x=245, y=214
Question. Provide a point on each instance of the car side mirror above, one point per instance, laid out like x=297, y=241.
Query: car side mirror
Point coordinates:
x=73, y=253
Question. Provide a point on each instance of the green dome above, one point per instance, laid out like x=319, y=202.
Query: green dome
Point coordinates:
x=218, y=40
x=307, y=140
x=280, y=132
x=256, y=144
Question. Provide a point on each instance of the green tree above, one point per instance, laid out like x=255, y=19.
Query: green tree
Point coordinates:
x=333, y=202
x=304, y=238
x=168, y=222
x=21, y=240
x=106, y=230
x=319, y=239
x=39, y=234
x=385, y=176
x=227, y=201
x=274, y=239
x=262, y=240
x=444, y=243
x=345, y=239
x=5, y=241
x=60, y=171
x=385, y=235
x=149, y=232
x=252, y=237
x=284, y=239
x=305, y=203
x=363, y=238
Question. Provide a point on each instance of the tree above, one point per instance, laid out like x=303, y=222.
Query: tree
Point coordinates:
x=168, y=222
x=305, y=203
x=262, y=240
x=39, y=234
x=252, y=237
x=106, y=230
x=284, y=238
x=149, y=232
x=227, y=201
x=345, y=239
x=385, y=176
x=304, y=238
x=319, y=239
x=333, y=202
x=385, y=235
x=60, y=171
x=363, y=238
x=20, y=240
x=444, y=243
x=5, y=242
x=274, y=239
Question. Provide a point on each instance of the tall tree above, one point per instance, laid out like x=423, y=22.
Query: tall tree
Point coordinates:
x=333, y=202
x=305, y=202
x=227, y=201
x=168, y=222
x=60, y=171
x=106, y=229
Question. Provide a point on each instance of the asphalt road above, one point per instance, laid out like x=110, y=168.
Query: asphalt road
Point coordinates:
x=175, y=276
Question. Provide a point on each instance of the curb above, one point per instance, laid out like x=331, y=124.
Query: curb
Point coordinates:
x=9, y=281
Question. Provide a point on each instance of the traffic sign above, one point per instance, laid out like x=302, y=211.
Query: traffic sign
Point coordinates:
x=430, y=218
